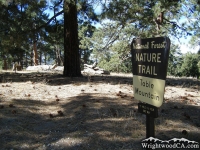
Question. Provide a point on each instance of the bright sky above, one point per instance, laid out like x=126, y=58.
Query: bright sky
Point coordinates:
x=184, y=42
x=185, y=46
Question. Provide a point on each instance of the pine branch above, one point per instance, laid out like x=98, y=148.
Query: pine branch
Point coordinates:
x=173, y=34
x=111, y=40
x=44, y=25
x=176, y=25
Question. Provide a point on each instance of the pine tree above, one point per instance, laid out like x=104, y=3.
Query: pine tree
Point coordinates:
x=71, y=43
x=21, y=19
x=190, y=65
x=175, y=61
x=27, y=19
x=71, y=47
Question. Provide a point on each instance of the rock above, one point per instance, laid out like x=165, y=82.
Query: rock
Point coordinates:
x=45, y=68
x=39, y=68
x=88, y=71
x=59, y=68
x=91, y=70
x=90, y=66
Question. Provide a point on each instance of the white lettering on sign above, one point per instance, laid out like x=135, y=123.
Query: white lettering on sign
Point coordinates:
x=151, y=70
x=157, y=45
x=141, y=46
x=148, y=45
x=148, y=57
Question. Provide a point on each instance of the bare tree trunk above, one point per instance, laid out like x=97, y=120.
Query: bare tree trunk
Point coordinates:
x=45, y=58
x=71, y=46
x=31, y=58
x=5, y=66
x=26, y=60
x=35, y=54
x=40, y=57
x=21, y=59
x=58, y=55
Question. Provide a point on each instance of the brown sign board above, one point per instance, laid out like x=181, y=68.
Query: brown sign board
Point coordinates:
x=148, y=109
x=149, y=66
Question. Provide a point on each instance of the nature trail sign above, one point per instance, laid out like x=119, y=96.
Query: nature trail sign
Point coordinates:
x=149, y=65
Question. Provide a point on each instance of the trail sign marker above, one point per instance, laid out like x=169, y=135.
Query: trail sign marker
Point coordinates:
x=148, y=110
x=149, y=65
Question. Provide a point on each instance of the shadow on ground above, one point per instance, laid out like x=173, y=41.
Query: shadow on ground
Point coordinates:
x=56, y=78
x=88, y=121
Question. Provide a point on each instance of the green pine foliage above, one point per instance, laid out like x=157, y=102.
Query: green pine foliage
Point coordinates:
x=198, y=66
x=189, y=66
x=86, y=31
x=111, y=47
x=175, y=61
x=1, y=64
x=24, y=21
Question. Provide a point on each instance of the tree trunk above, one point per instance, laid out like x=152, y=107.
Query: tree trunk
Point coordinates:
x=5, y=66
x=25, y=59
x=21, y=59
x=31, y=58
x=71, y=46
x=45, y=58
x=35, y=54
x=40, y=58
x=58, y=55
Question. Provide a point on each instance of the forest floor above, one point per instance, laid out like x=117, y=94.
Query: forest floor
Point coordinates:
x=46, y=111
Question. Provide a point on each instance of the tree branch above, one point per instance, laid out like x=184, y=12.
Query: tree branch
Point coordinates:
x=115, y=36
x=174, y=23
x=173, y=34
x=44, y=25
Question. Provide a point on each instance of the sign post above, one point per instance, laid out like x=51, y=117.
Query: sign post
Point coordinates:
x=149, y=66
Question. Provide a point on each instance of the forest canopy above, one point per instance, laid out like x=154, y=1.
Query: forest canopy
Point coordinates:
x=71, y=32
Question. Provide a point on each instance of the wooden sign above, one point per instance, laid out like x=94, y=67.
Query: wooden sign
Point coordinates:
x=149, y=65
x=148, y=110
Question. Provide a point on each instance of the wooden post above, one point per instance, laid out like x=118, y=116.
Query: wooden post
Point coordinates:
x=150, y=126
x=151, y=113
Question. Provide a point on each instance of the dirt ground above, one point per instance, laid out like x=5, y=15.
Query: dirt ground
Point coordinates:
x=46, y=111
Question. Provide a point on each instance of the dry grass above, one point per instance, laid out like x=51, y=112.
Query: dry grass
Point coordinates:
x=46, y=111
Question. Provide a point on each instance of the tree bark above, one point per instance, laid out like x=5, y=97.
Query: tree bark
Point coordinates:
x=71, y=46
x=45, y=58
x=5, y=66
x=59, y=60
x=32, y=58
x=40, y=58
x=35, y=54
